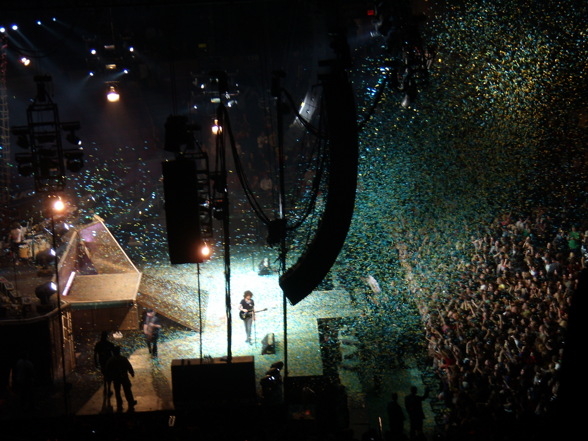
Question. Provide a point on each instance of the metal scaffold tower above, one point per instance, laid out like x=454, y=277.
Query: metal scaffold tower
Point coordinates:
x=4, y=125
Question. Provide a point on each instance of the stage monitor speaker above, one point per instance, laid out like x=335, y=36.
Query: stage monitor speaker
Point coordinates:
x=213, y=383
x=268, y=344
x=180, y=189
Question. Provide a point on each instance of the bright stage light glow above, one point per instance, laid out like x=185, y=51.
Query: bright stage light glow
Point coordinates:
x=112, y=96
x=58, y=206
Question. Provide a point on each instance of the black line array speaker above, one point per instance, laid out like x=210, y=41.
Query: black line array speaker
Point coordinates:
x=268, y=344
x=181, y=210
x=213, y=383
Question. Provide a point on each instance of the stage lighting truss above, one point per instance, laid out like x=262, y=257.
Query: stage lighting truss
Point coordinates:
x=213, y=88
x=41, y=137
x=204, y=199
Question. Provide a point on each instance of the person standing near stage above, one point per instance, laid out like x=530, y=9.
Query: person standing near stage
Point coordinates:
x=395, y=418
x=103, y=351
x=151, y=328
x=118, y=369
x=413, y=404
x=16, y=239
x=247, y=313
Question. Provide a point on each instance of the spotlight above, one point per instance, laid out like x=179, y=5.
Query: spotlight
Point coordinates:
x=112, y=96
x=73, y=139
x=45, y=291
x=25, y=61
x=216, y=129
x=53, y=205
x=203, y=252
x=14, y=27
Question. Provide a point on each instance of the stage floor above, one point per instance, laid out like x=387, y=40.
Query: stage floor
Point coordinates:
x=180, y=339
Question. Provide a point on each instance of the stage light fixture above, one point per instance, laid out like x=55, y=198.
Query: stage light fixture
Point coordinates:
x=74, y=159
x=25, y=61
x=216, y=128
x=56, y=204
x=73, y=139
x=45, y=291
x=203, y=252
x=112, y=96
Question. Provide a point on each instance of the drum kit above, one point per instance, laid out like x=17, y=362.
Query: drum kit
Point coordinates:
x=33, y=246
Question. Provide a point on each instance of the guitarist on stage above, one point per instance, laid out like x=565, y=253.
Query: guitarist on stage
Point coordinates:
x=247, y=313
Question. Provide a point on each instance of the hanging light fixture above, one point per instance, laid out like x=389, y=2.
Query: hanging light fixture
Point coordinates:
x=112, y=95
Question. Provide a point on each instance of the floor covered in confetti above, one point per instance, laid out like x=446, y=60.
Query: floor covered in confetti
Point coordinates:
x=324, y=335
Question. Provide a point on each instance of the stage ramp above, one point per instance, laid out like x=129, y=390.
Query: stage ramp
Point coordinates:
x=177, y=301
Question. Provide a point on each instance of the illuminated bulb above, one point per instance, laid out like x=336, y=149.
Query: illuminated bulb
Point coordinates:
x=113, y=96
x=58, y=205
x=216, y=129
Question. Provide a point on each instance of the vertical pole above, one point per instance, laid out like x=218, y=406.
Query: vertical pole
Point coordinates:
x=220, y=146
x=199, y=311
x=59, y=312
x=277, y=93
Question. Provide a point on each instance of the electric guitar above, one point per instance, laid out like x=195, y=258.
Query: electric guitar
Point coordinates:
x=247, y=314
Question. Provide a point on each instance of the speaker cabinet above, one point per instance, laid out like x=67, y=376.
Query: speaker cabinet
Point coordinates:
x=213, y=382
x=180, y=187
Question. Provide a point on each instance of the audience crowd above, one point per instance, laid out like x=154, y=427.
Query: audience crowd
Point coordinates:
x=496, y=332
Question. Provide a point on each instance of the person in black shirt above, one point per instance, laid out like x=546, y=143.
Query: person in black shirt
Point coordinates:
x=103, y=351
x=151, y=328
x=118, y=369
x=395, y=418
x=413, y=404
x=247, y=313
